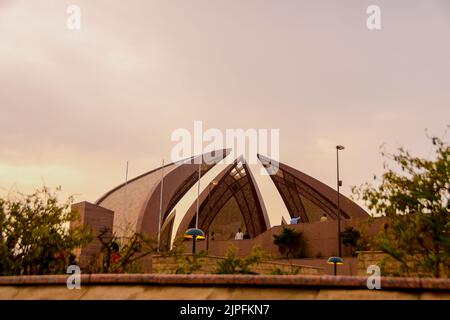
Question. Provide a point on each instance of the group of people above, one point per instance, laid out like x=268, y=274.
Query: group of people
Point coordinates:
x=295, y=220
x=241, y=235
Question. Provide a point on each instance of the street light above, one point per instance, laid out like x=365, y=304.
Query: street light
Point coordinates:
x=339, y=183
x=335, y=261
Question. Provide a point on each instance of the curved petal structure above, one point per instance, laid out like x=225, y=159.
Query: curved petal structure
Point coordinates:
x=233, y=194
x=306, y=197
x=166, y=232
x=136, y=204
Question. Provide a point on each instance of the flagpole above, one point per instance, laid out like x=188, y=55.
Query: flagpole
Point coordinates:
x=123, y=220
x=198, y=193
x=160, y=204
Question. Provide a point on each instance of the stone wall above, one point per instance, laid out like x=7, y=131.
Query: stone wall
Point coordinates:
x=349, y=268
x=168, y=265
x=368, y=258
x=100, y=220
x=388, y=265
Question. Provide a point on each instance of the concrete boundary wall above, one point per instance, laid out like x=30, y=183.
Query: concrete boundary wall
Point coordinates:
x=148, y=286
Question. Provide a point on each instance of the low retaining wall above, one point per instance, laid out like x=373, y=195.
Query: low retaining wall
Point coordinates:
x=200, y=287
x=368, y=258
x=388, y=265
x=168, y=265
x=349, y=268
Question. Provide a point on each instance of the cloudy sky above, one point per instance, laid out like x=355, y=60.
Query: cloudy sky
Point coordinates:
x=75, y=105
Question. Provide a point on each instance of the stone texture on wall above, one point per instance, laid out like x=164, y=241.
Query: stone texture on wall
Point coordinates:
x=168, y=265
x=349, y=268
x=388, y=265
x=368, y=258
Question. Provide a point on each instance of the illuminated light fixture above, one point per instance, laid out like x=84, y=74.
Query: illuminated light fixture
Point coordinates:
x=194, y=234
x=335, y=261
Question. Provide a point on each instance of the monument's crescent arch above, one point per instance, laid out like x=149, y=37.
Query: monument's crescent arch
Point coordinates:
x=234, y=187
x=136, y=203
x=306, y=197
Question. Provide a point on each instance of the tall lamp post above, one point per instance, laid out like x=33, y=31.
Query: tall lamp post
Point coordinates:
x=339, y=184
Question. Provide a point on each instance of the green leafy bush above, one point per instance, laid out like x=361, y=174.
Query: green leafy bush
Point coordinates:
x=185, y=263
x=232, y=264
x=35, y=237
x=278, y=272
x=350, y=238
x=289, y=242
x=416, y=200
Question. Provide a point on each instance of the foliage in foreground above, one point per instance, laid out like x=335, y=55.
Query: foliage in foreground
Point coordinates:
x=186, y=264
x=35, y=237
x=232, y=264
x=118, y=256
x=289, y=242
x=350, y=238
x=416, y=200
x=293, y=271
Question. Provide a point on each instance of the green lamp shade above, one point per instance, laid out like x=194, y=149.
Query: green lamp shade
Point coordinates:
x=335, y=260
x=194, y=232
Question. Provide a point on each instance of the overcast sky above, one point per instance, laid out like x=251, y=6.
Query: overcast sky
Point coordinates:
x=75, y=105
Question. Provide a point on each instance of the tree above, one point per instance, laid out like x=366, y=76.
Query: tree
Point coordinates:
x=350, y=238
x=416, y=200
x=289, y=242
x=35, y=237
x=118, y=256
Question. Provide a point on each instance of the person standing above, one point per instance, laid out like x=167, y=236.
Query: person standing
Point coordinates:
x=239, y=235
